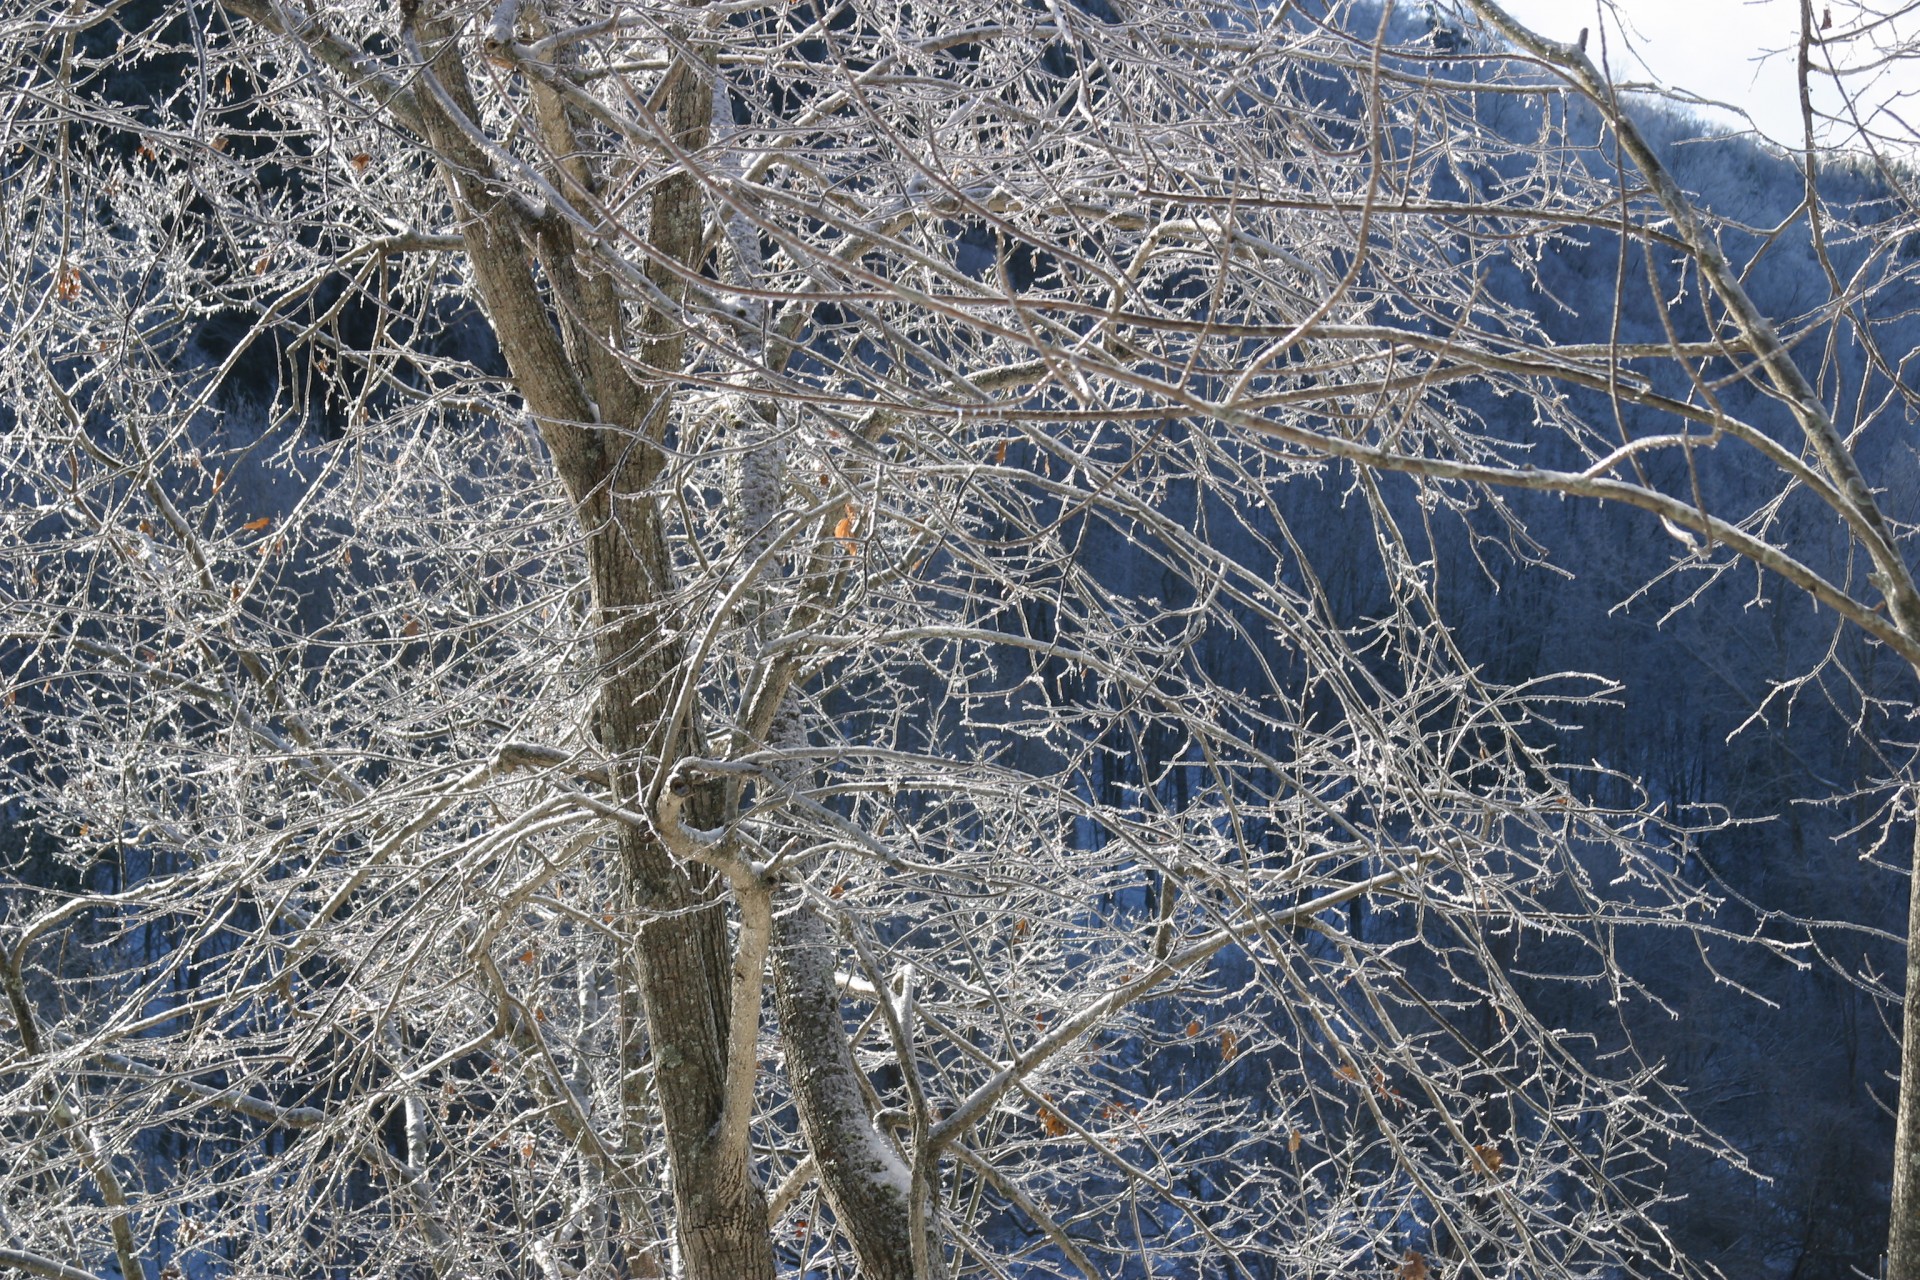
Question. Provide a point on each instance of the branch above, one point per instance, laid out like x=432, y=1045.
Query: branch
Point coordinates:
x=229, y=1099
x=1893, y=578
x=544, y=1077
x=99, y=1166
x=352, y=63
x=790, y=1188
x=36, y=1265
x=981, y=1101
x=1684, y=514
x=534, y=755
x=733, y=1134
x=1034, y=1213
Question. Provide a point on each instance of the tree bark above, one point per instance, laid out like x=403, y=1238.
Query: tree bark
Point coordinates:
x=865, y=1181
x=1903, y=1231
x=593, y=414
x=682, y=956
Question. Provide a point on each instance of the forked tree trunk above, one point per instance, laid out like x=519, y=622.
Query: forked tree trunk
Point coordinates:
x=595, y=419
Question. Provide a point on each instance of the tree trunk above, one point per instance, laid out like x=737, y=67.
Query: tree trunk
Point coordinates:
x=1903, y=1232
x=595, y=419
x=865, y=1181
x=683, y=959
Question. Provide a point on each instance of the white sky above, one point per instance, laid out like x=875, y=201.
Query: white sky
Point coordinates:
x=1712, y=47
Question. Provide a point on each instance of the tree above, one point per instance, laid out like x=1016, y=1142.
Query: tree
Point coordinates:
x=530, y=523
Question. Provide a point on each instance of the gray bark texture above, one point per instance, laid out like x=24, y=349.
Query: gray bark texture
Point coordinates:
x=864, y=1179
x=1903, y=1229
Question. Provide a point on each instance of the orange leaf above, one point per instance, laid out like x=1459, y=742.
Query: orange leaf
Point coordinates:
x=411, y=627
x=1486, y=1159
x=1293, y=1142
x=360, y=161
x=69, y=283
x=1000, y=452
x=526, y=957
x=838, y=890
x=1413, y=1266
x=1050, y=1121
x=1348, y=1072
x=1193, y=1028
x=261, y=264
x=1229, y=1045
x=254, y=526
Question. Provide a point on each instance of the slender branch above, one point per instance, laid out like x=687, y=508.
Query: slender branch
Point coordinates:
x=977, y=1105
x=796, y=1181
x=1893, y=577
x=754, y=899
x=1027, y=1206
x=36, y=1265
x=230, y=1099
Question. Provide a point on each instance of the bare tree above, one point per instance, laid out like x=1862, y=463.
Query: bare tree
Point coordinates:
x=527, y=521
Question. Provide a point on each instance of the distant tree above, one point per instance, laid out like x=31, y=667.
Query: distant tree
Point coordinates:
x=527, y=524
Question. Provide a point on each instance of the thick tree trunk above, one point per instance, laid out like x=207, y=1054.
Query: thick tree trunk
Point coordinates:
x=599, y=425
x=1903, y=1232
x=683, y=961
